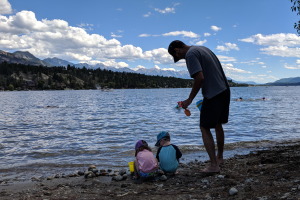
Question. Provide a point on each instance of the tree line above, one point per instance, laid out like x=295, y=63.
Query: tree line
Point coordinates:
x=28, y=77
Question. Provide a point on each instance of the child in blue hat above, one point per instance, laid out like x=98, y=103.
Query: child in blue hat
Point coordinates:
x=167, y=154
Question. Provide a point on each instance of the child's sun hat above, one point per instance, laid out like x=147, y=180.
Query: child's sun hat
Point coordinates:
x=160, y=136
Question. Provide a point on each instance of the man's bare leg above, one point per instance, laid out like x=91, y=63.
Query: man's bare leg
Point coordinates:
x=209, y=144
x=220, y=143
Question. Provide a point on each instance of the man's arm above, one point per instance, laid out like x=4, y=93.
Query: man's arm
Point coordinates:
x=198, y=81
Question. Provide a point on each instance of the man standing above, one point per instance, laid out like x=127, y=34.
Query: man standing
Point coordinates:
x=206, y=70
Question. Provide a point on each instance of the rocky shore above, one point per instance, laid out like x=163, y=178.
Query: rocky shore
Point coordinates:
x=273, y=173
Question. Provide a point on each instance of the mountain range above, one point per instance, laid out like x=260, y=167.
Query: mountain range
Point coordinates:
x=24, y=57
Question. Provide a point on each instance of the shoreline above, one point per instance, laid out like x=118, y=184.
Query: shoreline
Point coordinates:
x=23, y=173
x=269, y=173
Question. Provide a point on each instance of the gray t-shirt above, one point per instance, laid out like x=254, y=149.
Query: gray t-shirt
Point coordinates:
x=200, y=58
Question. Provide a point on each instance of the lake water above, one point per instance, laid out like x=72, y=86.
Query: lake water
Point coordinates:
x=57, y=131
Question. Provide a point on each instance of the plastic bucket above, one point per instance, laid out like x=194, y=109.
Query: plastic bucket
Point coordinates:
x=131, y=166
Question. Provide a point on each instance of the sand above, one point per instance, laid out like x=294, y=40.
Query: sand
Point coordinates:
x=272, y=173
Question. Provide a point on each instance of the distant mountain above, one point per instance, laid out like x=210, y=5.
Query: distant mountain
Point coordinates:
x=57, y=62
x=21, y=57
x=286, y=81
x=246, y=82
x=29, y=59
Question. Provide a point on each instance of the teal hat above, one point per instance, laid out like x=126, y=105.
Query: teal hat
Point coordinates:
x=160, y=136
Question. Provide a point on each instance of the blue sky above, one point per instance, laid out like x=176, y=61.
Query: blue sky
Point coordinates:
x=254, y=40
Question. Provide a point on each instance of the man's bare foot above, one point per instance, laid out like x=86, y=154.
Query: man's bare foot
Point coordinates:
x=220, y=161
x=211, y=169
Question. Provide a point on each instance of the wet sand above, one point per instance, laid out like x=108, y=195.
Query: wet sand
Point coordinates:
x=271, y=173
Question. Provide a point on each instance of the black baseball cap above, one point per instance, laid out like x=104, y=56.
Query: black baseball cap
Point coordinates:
x=172, y=46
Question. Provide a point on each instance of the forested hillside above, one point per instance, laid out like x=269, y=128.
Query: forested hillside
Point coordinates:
x=27, y=77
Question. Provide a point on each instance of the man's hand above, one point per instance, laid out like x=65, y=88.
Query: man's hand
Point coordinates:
x=186, y=103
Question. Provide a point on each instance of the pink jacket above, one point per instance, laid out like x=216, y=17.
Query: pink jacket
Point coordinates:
x=146, y=161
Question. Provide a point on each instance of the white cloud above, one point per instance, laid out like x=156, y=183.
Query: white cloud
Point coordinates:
x=282, y=51
x=5, y=7
x=168, y=69
x=148, y=14
x=145, y=35
x=115, y=35
x=86, y=26
x=45, y=38
x=281, y=44
x=291, y=66
x=215, y=28
x=159, y=56
x=226, y=59
x=189, y=34
x=254, y=62
x=201, y=42
x=165, y=11
x=138, y=67
x=207, y=34
x=229, y=68
x=280, y=39
x=228, y=46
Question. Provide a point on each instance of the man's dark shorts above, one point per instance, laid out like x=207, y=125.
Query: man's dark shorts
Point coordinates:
x=215, y=110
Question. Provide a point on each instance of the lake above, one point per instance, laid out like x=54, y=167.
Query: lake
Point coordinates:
x=44, y=132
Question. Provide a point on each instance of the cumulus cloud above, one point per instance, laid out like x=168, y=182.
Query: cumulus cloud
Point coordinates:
x=159, y=56
x=189, y=34
x=282, y=44
x=229, y=68
x=5, y=7
x=215, y=28
x=282, y=51
x=56, y=38
x=228, y=46
x=280, y=39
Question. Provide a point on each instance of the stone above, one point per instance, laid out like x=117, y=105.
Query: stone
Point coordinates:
x=118, y=178
x=163, y=178
x=91, y=167
x=285, y=196
x=233, y=191
x=125, y=176
x=221, y=176
x=122, y=172
x=80, y=173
